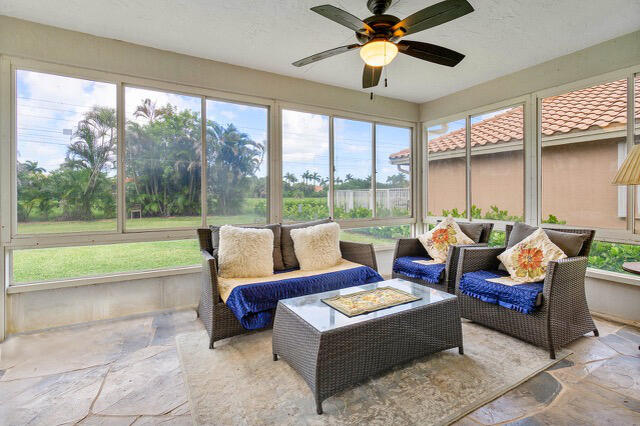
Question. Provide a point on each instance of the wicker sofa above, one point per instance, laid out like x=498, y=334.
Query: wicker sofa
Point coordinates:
x=412, y=247
x=218, y=319
x=563, y=314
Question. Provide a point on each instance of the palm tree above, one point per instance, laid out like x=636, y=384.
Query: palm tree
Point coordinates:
x=149, y=111
x=315, y=177
x=94, y=151
x=348, y=177
x=290, y=178
x=306, y=176
x=232, y=157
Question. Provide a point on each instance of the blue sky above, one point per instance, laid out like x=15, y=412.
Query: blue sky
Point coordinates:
x=49, y=104
x=46, y=106
x=305, y=146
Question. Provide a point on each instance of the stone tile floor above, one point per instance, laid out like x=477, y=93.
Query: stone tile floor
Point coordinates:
x=127, y=372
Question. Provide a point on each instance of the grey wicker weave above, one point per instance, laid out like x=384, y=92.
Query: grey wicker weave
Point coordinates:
x=217, y=318
x=564, y=314
x=333, y=352
x=413, y=247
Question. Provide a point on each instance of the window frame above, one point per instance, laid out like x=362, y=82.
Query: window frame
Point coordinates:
x=270, y=168
x=12, y=240
x=333, y=114
x=120, y=234
x=520, y=101
x=603, y=234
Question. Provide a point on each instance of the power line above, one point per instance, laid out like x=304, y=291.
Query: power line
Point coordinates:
x=53, y=102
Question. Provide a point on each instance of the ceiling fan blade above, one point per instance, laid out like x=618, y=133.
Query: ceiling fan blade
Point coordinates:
x=371, y=76
x=343, y=18
x=430, y=52
x=431, y=16
x=324, y=55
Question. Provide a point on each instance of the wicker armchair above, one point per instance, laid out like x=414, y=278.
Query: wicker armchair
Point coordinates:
x=413, y=247
x=218, y=319
x=563, y=315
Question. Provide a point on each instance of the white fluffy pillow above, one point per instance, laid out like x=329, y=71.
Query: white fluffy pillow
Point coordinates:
x=317, y=247
x=245, y=252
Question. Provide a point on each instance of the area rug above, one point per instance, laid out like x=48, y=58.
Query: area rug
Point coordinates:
x=239, y=383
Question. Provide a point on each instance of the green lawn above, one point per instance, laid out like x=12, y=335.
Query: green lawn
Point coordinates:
x=362, y=238
x=74, y=262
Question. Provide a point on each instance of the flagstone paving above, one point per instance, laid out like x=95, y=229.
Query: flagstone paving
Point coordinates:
x=127, y=372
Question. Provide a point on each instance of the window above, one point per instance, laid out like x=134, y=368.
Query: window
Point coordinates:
x=610, y=256
x=377, y=235
x=66, y=154
x=236, y=163
x=305, y=166
x=447, y=165
x=73, y=262
x=583, y=142
x=393, y=171
x=497, y=165
x=163, y=143
x=353, y=159
x=636, y=141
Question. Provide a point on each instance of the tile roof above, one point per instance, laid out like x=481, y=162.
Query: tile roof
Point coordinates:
x=596, y=107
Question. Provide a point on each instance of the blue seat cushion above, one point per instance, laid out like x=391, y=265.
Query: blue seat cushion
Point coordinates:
x=525, y=298
x=430, y=273
x=253, y=304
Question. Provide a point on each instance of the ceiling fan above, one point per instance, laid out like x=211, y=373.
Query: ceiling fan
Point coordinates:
x=379, y=36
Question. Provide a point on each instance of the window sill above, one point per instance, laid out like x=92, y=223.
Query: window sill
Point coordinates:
x=78, y=282
x=616, y=277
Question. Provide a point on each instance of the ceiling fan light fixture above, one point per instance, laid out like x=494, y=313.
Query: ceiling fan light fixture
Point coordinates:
x=378, y=53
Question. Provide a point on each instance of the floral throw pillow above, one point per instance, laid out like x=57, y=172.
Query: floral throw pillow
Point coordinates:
x=527, y=261
x=439, y=239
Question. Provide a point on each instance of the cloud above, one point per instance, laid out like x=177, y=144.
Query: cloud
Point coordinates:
x=134, y=96
x=46, y=105
x=305, y=143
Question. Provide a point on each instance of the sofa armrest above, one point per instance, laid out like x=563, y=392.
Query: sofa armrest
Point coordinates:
x=476, y=258
x=209, y=278
x=409, y=247
x=451, y=268
x=361, y=253
x=565, y=279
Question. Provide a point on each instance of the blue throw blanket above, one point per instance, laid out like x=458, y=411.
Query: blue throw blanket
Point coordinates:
x=253, y=304
x=429, y=273
x=523, y=298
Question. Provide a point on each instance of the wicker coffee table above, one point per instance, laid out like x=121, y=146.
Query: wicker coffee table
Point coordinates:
x=333, y=352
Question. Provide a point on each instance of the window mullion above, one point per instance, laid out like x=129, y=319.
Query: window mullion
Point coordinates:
x=275, y=193
x=331, y=167
x=374, y=197
x=631, y=189
x=120, y=160
x=203, y=161
x=468, y=168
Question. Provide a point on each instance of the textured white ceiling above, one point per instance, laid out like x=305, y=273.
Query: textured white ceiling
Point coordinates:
x=500, y=37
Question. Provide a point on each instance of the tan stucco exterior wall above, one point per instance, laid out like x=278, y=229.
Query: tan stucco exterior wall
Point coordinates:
x=576, y=186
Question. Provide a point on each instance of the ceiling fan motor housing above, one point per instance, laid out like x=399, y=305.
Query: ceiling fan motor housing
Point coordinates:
x=378, y=7
x=381, y=25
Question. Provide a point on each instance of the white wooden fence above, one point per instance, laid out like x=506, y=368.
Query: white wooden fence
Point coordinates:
x=349, y=199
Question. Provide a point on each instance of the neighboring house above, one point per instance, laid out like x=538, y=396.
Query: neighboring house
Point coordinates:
x=583, y=143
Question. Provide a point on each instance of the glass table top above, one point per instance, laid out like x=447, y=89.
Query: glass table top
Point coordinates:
x=323, y=317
